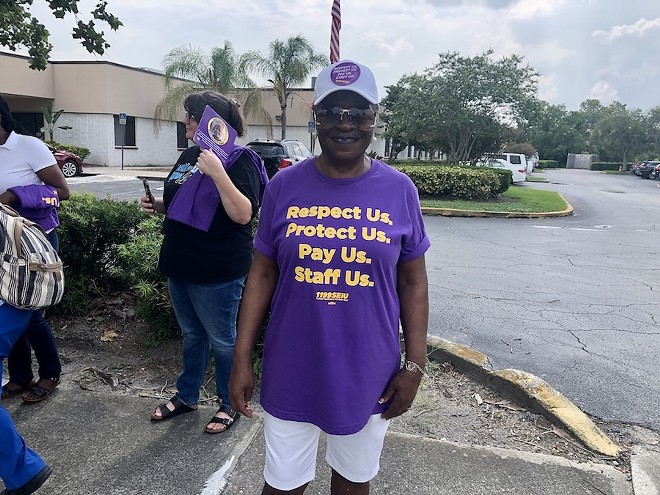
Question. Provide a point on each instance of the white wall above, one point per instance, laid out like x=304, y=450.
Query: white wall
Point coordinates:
x=96, y=132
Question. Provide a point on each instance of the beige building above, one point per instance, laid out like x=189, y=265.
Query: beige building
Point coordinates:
x=94, y=94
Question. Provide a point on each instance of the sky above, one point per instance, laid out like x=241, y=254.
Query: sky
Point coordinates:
x=581, y=49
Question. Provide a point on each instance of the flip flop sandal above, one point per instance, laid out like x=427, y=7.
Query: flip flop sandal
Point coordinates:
x=228, y=422
x=39, y=392
x=12, y=389
x=180, y=407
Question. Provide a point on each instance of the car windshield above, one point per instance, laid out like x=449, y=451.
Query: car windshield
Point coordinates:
x=267, y=149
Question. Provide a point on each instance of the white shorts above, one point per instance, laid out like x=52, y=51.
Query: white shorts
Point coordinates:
x=291, y=451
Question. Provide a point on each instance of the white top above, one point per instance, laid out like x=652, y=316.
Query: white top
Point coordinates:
x=21, y=157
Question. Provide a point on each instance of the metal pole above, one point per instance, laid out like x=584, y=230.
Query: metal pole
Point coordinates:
x=123, y=140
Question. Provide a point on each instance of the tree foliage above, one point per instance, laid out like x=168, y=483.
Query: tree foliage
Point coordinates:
x=462, y=106
x=19, y=28
x=288, y=63
x=614, y=132
x=619, y=134
x=188, y=69
x=555, y=132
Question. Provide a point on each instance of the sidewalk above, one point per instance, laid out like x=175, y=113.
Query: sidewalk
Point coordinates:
x=153, y=173
x=105, y=444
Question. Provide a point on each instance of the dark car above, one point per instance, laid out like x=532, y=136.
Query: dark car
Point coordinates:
x=648, y=168
x=70, y=163
x=279, y=154
x=655, y=174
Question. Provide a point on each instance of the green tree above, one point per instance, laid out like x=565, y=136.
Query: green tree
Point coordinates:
x=653, y=131
x=19, y=28
x=287, y=64
x=620, y=134
x=555, y=132
x=463, y=106
x=526, y=149
x=188, y=69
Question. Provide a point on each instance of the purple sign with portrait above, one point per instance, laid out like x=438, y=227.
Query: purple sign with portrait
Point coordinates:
x=215, y=134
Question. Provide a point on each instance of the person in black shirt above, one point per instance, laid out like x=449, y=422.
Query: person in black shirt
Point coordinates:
x=206, y=265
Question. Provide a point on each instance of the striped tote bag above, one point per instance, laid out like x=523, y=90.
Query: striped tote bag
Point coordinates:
x=31, y=273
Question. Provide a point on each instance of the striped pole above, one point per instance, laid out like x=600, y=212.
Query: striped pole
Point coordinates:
x=334, y=32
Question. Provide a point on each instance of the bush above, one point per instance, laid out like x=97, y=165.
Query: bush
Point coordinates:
x=455, y=181
x=81, y=152
x=137, y=268
x=549, y=164
x=90, y=232
x=608, y=166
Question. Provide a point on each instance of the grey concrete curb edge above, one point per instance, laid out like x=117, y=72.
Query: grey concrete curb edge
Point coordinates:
x=531, y=391
x=450, y=212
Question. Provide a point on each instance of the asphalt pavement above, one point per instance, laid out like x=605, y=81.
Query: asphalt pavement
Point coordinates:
x=105, y=444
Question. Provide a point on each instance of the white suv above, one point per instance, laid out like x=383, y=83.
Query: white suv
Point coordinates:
x=517, y=159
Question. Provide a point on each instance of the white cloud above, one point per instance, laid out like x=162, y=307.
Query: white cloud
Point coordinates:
x=533, y=9
x=548, y=87
x=392, y=48
x=604, y=92
x=549, y=53
x=638, y=29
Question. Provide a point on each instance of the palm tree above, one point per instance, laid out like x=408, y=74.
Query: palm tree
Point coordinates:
x=288, y=64
x=223, y=72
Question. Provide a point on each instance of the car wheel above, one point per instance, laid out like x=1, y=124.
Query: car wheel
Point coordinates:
x=70, y=169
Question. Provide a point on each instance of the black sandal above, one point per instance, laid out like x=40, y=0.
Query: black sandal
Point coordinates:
x=12, y=389
x=228, y=422
x=40, y=390
x=180, y=407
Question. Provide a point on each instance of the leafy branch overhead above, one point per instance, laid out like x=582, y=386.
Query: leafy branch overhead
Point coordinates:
x=19, y=28
x=462, y=106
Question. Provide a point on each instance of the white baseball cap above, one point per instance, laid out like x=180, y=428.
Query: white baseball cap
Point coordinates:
x=346, y=75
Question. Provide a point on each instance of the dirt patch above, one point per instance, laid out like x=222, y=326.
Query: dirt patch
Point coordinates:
x=109, y=351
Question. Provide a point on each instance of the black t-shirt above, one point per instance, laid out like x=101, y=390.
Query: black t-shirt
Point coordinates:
x=223, y=253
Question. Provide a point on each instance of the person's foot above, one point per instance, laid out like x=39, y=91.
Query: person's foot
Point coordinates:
x=174, y=407
x=12, y=388
x=223, y=420
x=32, y=485
x=40, y=390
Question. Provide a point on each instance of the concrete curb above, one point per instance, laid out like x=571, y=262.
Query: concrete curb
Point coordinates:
x=450, y=212
x=531, y=391
x=645, y=472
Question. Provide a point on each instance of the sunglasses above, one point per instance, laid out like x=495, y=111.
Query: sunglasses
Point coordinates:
x=362, y=118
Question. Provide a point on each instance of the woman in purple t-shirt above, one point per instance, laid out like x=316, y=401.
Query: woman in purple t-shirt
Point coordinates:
x=339, y=263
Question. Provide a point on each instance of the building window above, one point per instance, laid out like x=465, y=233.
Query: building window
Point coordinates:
x=32, y=122
x=128, y=139
x=181, y=139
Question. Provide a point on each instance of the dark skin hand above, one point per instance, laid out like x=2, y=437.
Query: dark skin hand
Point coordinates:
x=50, y=176
x=412, y=287
x=259, y=290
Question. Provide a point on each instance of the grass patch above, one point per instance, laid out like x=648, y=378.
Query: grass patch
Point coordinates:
x=515, y=199
x=536, y=178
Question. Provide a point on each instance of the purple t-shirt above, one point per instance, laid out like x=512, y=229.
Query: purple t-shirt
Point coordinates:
x=332, y=342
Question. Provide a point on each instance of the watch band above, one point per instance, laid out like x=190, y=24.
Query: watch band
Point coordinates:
x=413, y=366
